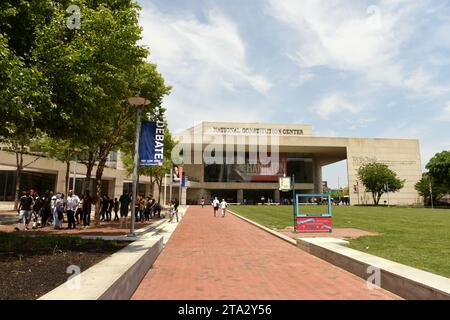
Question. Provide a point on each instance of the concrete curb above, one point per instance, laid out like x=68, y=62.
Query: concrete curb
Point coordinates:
x=126, y=285
x=118, y=276
x=115, y=277
x=404, y=281
x=407, y=282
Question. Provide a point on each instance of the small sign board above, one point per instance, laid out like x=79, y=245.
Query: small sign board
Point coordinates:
x=285, y=183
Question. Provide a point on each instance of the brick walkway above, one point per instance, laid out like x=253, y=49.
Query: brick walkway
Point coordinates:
x=215, y=258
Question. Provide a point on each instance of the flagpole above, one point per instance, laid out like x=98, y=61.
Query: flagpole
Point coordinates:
x=180, y=192
x=139, y=103
x=170, y=181
x=387, y=185
x=431, y=195
x=74, y=175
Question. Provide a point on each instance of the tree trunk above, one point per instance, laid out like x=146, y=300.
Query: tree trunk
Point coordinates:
x=19, y=170
x=379, y=197
x=159, y=182
x=98, y=181
x=374, y=196
x=89, y=166
x=152, y=185
x=67, y=178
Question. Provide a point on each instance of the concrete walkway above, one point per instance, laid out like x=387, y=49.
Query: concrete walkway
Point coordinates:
x=228, y=258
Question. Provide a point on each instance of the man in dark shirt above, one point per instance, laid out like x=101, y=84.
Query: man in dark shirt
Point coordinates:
x=116, y=209
x=25, y=210
x=46, y=208
x=105, y=205
x=124, y=204
x=87, y=207
x=110, y=208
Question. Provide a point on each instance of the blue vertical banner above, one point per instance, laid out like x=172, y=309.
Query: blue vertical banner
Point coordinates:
x=151, y=147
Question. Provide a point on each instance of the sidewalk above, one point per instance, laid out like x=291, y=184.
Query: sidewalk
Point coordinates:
x=227, y=258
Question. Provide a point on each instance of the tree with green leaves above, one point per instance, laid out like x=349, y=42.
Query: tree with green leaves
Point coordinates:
x=439, y=169
x=88, y=74
x=64, y=150
x=375, y=175
x=425, y=184
x=93, y=71
x=23, y=102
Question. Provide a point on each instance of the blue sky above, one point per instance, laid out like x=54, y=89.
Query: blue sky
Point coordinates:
x=349, y=68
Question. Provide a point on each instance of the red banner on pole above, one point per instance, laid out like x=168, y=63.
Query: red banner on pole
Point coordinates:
x=180, y=172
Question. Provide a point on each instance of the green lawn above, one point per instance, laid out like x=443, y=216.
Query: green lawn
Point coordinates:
x=416, y=237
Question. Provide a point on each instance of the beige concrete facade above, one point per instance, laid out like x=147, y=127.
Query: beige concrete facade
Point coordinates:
x=114, y=175
x=401, y=155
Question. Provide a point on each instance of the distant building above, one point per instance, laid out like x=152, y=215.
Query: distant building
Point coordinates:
x=300, y=154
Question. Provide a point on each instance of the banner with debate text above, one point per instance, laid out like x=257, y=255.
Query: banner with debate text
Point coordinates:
x=151, y=148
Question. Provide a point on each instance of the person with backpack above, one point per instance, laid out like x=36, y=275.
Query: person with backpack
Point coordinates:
x=215, y=205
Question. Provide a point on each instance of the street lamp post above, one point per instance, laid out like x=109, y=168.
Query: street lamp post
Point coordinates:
x=139, y=103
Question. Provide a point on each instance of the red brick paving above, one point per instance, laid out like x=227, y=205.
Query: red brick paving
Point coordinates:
x=228, y=258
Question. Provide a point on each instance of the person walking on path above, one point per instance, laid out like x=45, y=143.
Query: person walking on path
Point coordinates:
x=216, y=205
x=174, y=210
x=46, y=208
x=105, y=206
x=116, y=209
x=202, y=202
x=157, y=210
x=125, y=201
x=25, y=210
x=58, y=211
x=79, y=212
x=71, y=206
x=110, y=209
x=223, y=207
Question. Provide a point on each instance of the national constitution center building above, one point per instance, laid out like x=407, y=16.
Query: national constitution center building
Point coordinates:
x=242, y=162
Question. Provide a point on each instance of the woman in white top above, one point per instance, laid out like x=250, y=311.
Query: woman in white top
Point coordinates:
x=223, y=207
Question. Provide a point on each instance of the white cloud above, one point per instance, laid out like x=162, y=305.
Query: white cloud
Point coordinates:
x=205, y=61
x=303, y=78
x=204, y=55
x=332, y=104
x=349, y=36
x=445, y=115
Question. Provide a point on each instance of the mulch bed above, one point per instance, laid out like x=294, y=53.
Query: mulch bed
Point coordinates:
x=27, y=273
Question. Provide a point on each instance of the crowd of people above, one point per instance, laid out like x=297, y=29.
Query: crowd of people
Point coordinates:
x=54, y=209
